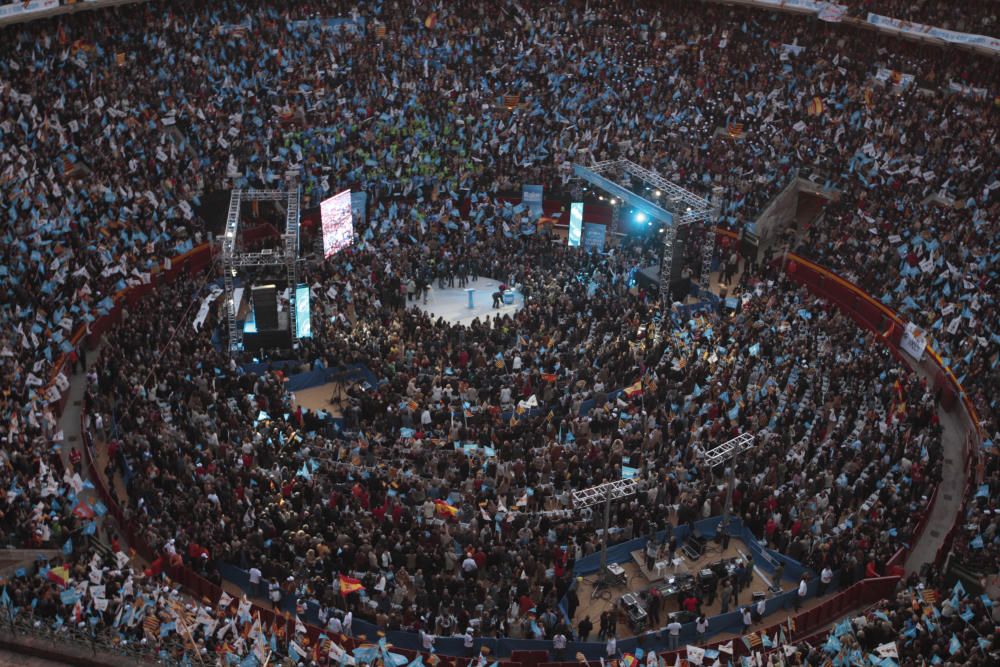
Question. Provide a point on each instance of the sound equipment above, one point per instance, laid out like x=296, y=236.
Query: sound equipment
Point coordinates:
x=265, y=307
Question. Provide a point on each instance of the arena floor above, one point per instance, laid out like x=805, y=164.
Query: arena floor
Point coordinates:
x=452, y=303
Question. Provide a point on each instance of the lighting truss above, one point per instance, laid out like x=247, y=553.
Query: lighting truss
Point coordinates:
x=726, y=452
x=677, y=207
x=595, y=495
x=286, y=256
x=729, y=449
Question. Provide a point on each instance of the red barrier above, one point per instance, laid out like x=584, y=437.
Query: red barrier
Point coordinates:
x=877, y=318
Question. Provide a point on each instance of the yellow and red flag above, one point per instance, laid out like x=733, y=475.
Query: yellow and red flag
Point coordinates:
x=444, y=508
x=633, y=389
x=350, y=585
x=59, y=575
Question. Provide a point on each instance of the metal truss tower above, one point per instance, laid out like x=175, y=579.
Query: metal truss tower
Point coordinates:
x=233, y=259
x=680, y=207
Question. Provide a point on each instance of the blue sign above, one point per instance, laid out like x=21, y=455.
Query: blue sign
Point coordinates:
x=593, y=236
x=575, y=223
x=531, y=196
x=303, y=327
x=358, y=202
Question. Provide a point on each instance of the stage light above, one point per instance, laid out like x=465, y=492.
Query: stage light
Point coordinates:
x=640, y=217
x=657, y=193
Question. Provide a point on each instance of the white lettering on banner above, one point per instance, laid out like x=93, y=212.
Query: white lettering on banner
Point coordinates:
x=920, y=30
x=913, y=342
x=832, y=13
x=23, y=8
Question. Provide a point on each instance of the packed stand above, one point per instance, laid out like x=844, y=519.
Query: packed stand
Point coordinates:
x=222, y=461
x=100, y=600
x=977, y=17
x=926, y=622
x=169, y=118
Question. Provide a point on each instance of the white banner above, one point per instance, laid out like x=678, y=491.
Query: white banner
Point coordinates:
x=921, y=30
x=913, y=341
x=25, y=8
x=206, y=305
x=832, y=13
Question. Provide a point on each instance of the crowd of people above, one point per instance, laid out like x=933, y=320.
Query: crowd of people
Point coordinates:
x=114, y=123
x=978, y=17
x=451, y=505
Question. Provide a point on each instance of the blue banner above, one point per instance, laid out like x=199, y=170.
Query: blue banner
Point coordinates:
x=593, y=236
x=359, y=200
x=575, y=223
x=303, y=326
x=531, y=196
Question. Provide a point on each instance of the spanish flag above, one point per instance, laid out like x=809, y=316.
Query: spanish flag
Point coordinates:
x=633, y=389
x=444, y=508
x=349, y=585
x=815, y=107
x=59, y=575
x=431, y=20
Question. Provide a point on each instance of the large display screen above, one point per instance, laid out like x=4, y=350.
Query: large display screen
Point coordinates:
x=338, y=225
x=303, y=327
x=575, y=223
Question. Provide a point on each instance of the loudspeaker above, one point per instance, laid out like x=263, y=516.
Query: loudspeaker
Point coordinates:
x=265, y=307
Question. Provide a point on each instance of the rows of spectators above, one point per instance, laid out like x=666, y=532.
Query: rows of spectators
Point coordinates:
x=978, y=17
x=834, y=482
x=927, y=621
x=100, y=599
x=114, y=122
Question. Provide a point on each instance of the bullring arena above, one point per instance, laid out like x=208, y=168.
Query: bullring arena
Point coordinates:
x=524, y=334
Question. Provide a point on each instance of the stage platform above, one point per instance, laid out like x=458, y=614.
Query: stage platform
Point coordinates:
x=639, y=579
x=452, y=303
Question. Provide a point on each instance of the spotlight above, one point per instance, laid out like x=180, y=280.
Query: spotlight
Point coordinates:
x=657, y=193
x=640, y=217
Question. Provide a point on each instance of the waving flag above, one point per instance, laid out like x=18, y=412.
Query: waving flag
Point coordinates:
x=444, y=508
x=350, y=585
x=59, y=575
x=633, y=389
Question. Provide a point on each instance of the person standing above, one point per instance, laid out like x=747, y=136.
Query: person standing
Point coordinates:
x=558, y=646
x=469, y=642
x=802, y=593
x=650, y=555
x=825, y=577
x=673, y=634
x=725, y=593
x=584, y=629
x=255, y=586
x=701, y=627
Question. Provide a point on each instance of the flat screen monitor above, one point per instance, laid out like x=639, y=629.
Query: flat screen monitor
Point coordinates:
x=338, y=224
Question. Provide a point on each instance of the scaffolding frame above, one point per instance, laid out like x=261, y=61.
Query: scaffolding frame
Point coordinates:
x=287, y=256
x=728, y=451
x=595, y=495
x=682, y=207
